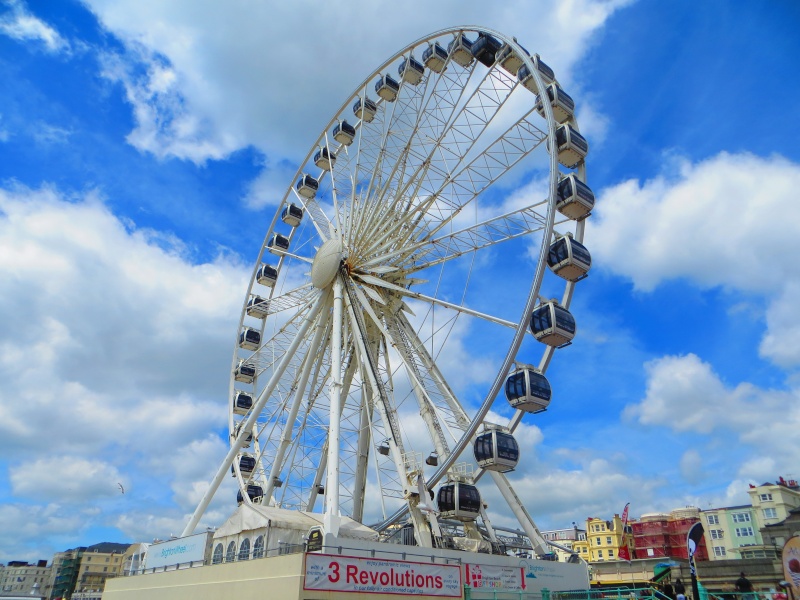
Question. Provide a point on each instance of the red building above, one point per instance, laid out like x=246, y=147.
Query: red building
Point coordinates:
x=664, y=535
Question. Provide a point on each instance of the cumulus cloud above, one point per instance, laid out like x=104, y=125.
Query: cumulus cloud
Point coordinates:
x=685, y=394
x=78, y=479
x=206, y=82
x=27, y=524
x=729, y=221
x=19, y=24
x=115, y=344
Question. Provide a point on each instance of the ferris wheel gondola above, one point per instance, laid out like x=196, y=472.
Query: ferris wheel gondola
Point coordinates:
x=392, y=214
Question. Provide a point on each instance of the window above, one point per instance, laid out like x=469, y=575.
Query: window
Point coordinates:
x=741, y=517
x=258, y=547
x=608, y=541
x=770, y=513
x=230, y=554
x=744, y=531
x=599, y=554
x=244, y=550
x=610, y=554
x=717, y=534
x=765, y=497
x=597, y=541
x=712, y=519
x=719, y=551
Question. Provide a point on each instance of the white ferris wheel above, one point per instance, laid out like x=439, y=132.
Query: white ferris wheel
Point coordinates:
x=395, y=250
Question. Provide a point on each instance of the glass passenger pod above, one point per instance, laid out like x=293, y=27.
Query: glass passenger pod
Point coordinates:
x=552, y=324
x=249, y=338
x=248, y=439
x=387, y=88
x=324, y=159
x=485, y=49
x=575, y=199
x=278, y=244
x=293, y=214
x=411, y=70
x=242, y=403
x=247, y=464
x=569, y=259
x=344, y=133
x=254, y=492
x=257, y=307
x=572, y=146
x=307, y=186
x=509, y=59
x=244, y=372
x=433, y=459
x=562, y=103
x=496, y=450
x=459, y=500
x=365, y=109
x=435, y=58
x=528, y=390
x=267, y=275
x=460, y=50
x=526, y=77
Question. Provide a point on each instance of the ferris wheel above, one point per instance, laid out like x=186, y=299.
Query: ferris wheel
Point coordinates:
x=399, y=275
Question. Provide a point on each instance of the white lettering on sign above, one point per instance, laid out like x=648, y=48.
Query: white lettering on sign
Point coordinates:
x=331, y=572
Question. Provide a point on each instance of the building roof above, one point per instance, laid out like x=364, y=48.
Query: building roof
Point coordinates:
x=248, y=518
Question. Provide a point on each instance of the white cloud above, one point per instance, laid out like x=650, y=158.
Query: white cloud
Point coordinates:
x=115, y=345
x=692, y=466
x=19, y=24
x=731, y=221
x=25, y=526
x=204, y=82
x=685, y=395
x=78, y=479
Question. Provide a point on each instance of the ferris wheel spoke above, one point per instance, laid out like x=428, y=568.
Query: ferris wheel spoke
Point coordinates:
x=428, y=129
x=446, y=400
x=299, y=390
x=439, y=209
x=413, y=258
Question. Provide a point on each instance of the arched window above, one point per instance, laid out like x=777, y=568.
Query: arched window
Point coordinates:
x=230, y=555
x=244, y=550
x=217, y=558
x=258, y=547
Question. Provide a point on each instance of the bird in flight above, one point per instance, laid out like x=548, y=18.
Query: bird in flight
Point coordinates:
x=121, y=489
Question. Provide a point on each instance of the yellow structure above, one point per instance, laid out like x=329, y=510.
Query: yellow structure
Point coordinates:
x=605, y=538
x=95, y=568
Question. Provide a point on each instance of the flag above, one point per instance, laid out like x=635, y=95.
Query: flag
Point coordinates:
x=624, y=553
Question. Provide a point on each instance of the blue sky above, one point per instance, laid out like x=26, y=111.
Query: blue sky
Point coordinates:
x=143, y=147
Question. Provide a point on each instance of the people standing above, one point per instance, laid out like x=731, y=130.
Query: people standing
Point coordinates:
x=680, y=589
x=743, y=586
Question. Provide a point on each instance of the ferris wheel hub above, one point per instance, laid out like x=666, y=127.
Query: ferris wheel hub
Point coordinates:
x=326, y=263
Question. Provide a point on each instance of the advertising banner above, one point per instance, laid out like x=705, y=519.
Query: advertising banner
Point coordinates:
x=791, y=564
x=181, y=550
x=334, y=573
x=493, y=577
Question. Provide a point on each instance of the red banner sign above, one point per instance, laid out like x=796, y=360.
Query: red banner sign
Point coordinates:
x=334, y=573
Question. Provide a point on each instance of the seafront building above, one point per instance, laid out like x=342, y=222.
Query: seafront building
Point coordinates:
x=23, y=579
x=86, y=569
x=603, y=540
x=565, y=538
x=663, y=535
